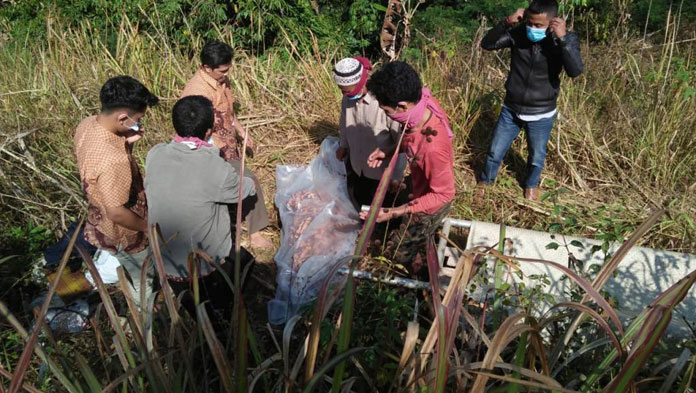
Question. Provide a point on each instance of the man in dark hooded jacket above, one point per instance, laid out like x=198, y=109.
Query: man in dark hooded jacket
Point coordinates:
x=541, y=48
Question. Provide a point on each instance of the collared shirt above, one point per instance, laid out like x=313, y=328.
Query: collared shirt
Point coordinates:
x=110, y=178
x=431, y=161
x=220, y=94
x=188, y=191
x=364, y=127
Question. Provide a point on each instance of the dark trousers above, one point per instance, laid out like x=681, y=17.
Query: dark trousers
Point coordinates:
x=214, y=289
x=253, y=213
x=362, y=189
x=55, y=252
x=408, y=243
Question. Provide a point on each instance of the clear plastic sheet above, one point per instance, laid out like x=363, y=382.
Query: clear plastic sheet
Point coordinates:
x=320, y=226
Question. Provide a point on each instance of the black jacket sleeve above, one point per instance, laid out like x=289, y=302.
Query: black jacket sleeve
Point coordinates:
x=497, y=38
x=570, y=51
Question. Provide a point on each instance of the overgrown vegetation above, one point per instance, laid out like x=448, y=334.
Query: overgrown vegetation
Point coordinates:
x=625, y=145
x=257, y=25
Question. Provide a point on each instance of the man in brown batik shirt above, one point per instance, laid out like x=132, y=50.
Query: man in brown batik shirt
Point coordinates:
x=117, y=207
x=211, y=81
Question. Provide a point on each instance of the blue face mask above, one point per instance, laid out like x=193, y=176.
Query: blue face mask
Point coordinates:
x=355, y=97
x=535, y=35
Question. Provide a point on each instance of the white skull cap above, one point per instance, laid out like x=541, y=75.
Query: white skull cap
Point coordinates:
x=348, y=72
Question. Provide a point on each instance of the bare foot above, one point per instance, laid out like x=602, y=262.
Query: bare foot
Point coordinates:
x=258, y=240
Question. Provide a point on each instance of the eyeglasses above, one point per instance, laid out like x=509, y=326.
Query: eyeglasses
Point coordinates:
x=137, y=125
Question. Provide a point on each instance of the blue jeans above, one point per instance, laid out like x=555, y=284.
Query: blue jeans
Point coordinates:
x=508, y=127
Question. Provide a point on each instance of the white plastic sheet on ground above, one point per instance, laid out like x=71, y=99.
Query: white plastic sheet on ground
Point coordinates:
x=106, y=265
x=320, y=226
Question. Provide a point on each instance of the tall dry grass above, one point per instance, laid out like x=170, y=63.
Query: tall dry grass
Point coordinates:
x=625, y=140
x=48, y=88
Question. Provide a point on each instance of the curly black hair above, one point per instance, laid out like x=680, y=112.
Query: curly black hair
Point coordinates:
x=395, y=82
x=193, y=116
x=216, y=53
x=548, y=7
x=124, y=92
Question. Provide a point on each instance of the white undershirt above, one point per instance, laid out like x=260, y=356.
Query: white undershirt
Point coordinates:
x=533, y=117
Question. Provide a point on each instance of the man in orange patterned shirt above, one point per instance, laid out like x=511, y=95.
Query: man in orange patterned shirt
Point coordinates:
x=117, y=207
x=211, y=82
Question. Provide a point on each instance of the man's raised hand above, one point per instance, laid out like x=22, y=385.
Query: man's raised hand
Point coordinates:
x=516, y=17
x=558, y=27
x=376, y=158
x=134, y=137
x=383, y=215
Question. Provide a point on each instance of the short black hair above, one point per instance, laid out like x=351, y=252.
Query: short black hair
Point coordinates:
x=193, y=116
x=548, y=7
x=216, y=53
x=395, y=82
x=124, y=92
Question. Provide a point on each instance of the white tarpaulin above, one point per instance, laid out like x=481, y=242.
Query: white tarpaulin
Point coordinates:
x=640, y=278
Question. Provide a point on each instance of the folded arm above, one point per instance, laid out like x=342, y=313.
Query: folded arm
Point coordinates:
x=570, y=51
x=497, y=38
x=241, y=131
x=124, y=217
x=114, y=185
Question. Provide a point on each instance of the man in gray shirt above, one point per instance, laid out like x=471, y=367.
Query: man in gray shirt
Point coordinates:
x=189, y=187
x=363, y=127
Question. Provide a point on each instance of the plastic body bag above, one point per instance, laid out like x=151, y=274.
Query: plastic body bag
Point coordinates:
x=320, y=226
